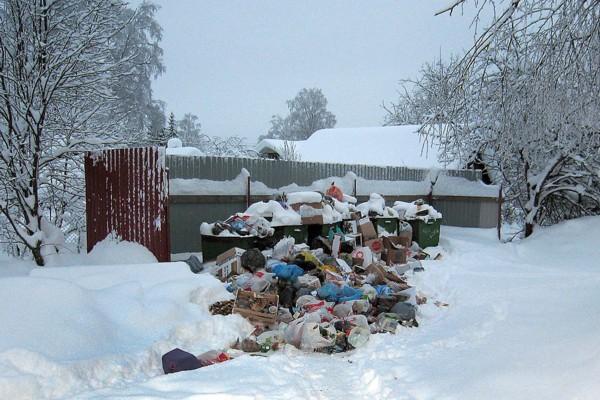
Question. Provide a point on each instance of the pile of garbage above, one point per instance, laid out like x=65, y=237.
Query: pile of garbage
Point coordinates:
x=329, y=297
x=298, y=208
x=317, y=302
x=239, y=225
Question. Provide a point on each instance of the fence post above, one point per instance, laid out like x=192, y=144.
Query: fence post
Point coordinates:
x=500, y=200
x=248, y=192
x=354, y=189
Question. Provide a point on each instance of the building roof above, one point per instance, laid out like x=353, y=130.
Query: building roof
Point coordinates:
x=386, y=146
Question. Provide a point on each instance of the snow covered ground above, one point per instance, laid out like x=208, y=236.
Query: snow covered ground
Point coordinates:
x=523, y=322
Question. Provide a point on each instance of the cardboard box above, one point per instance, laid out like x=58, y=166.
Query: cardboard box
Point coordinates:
x=366, y=229
x=396, y=242
x=256, y=307
x=396, y=249
x=314, y=220
x=395, y=256
x=297, y=206
x=229, y=263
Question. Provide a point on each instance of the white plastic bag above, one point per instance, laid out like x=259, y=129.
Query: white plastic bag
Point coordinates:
x=284, y=248
x=308, y=281
x=316, y=336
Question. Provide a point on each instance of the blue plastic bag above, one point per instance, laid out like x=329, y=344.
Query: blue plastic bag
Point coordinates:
x=335, y=293
x=287, y=272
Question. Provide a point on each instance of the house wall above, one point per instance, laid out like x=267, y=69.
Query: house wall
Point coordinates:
x=187, y=212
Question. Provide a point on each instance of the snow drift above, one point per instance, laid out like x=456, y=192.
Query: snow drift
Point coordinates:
x=522, y=323
x=67, y=330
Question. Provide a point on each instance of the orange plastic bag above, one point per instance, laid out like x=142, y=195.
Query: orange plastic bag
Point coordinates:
x=335, y=192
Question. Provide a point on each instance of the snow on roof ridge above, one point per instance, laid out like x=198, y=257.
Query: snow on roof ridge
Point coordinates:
x=397, y=146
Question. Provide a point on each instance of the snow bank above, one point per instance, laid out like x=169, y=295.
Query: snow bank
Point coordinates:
x=72, y=329
x=522, y=322
x=111, y=250
x=237, y=186
x=10, y=266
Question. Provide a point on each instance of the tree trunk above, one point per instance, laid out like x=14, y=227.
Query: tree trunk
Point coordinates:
x=37, y=255
x=528, y=229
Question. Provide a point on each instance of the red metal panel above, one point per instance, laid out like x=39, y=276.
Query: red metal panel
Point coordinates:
x=125, y=194
x=124, y=172
x=89, y=202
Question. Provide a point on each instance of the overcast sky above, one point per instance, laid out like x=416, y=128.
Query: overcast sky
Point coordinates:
x=235, y=63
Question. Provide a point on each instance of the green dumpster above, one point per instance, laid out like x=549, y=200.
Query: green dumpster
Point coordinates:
x=325, y=228
x=426, y=233
x=387, y=224
x=298, y=232
x=212, y=245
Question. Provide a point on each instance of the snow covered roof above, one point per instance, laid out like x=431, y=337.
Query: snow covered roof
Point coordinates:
x=400, y=146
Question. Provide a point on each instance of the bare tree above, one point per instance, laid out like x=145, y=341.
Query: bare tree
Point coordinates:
x=232, y=146
x=289, y=152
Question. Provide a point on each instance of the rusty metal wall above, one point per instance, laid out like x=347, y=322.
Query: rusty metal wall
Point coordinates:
x=127, y=193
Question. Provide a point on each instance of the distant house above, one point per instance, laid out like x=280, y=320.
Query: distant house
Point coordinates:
x=270, y=148
x=386, y=146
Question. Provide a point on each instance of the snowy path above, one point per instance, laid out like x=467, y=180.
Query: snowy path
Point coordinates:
x=523, y=323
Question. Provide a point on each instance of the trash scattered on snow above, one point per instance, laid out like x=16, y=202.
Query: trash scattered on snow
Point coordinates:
x=340, y=279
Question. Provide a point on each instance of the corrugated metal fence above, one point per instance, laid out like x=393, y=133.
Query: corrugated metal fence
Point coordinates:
x=187, y=212
x=276, y=173
x=127, y=193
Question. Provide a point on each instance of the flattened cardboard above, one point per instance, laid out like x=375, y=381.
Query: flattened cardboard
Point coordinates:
x=366, y=228
x=314, y=220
